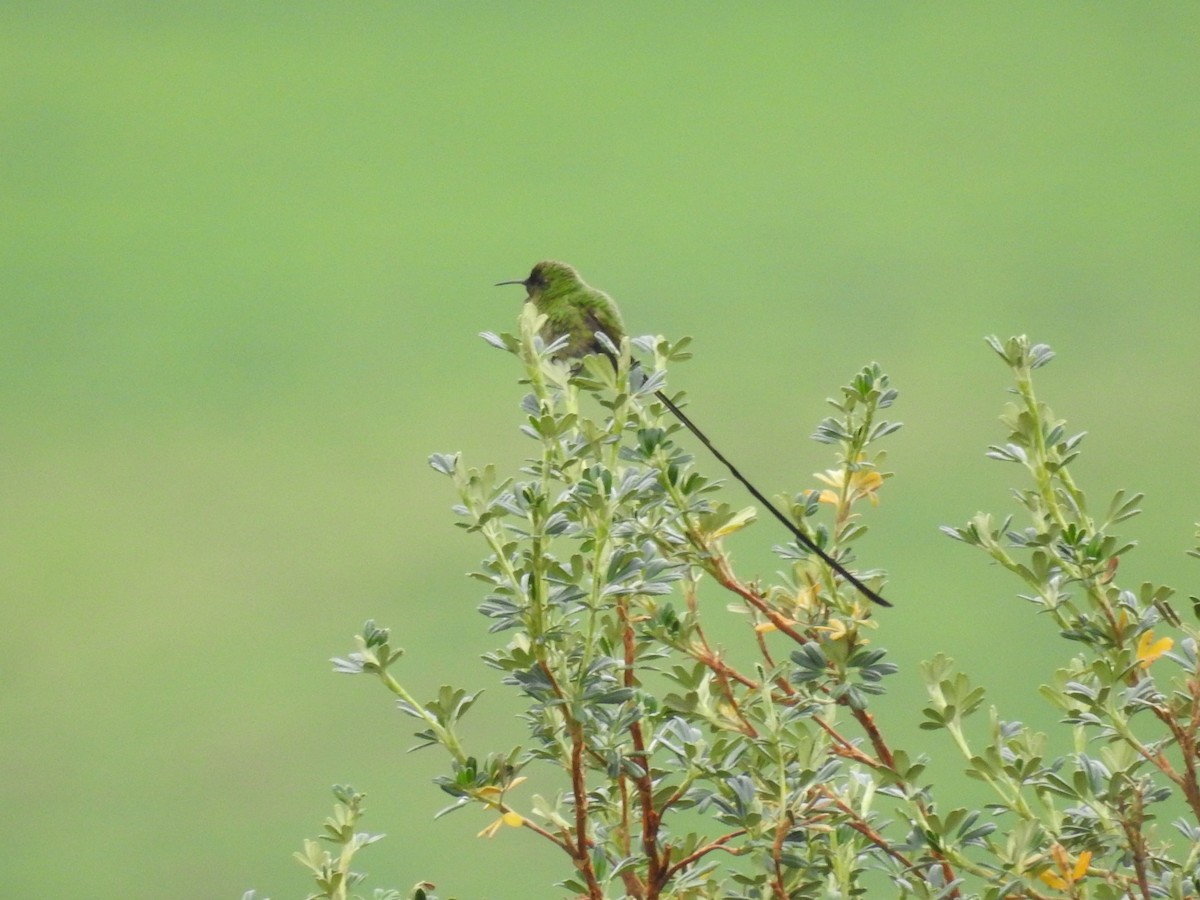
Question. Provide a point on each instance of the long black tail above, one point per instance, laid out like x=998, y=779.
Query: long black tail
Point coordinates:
x=787, y=523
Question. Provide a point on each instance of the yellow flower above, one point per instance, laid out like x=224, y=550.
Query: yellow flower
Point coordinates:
x=493, y=796
x=510, y=818
x=806, y=598
x=855, y=485
x=837, y=629
x=493, y=793
x=1148, y=649
x=1064, y=874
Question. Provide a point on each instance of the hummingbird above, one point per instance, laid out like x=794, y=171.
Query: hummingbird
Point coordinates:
x=576, y=310
x=572, y=308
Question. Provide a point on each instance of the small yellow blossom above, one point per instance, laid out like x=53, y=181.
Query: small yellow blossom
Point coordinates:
x=806, y=598
x=837, y=629
x=1064, y=874
x=510, y=818
x=862, y=483
x=1148, y=649
x=494, y=792
x=843, y=630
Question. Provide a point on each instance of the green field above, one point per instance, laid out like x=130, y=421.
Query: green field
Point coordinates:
x=245, y=253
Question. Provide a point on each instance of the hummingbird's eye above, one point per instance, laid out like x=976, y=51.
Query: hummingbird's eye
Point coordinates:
x=536, y=277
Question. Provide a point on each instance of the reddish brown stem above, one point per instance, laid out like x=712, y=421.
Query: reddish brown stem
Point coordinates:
x=1131, y=824
x=843, y=746
x=867, y=721
x=728, y=580
x=777, y=884
x=700, y=852
x=856, y=822
x=655, y=874
x=583, y=858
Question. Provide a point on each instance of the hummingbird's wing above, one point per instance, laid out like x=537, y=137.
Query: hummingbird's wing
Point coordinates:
x=594, y=326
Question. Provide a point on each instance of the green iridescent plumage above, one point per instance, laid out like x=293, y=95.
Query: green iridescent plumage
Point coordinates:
x=572, y=308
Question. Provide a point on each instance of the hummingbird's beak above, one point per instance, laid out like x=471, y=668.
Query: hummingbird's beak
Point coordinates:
x=522, y=282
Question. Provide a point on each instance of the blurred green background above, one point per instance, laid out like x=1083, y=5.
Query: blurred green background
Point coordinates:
x=246, y=252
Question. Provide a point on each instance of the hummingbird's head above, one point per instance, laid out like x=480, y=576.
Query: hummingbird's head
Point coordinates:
x=548, y=278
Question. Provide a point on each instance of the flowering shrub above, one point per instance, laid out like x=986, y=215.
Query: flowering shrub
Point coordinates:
x=605, y=561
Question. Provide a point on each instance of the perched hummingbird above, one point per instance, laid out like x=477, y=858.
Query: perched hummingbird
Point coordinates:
x=579, y=311
x=572, y=308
